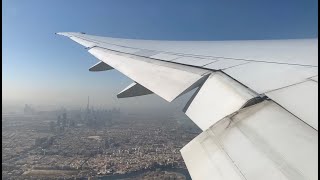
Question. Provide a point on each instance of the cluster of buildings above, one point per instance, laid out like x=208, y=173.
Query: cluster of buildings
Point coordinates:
x=128, y=144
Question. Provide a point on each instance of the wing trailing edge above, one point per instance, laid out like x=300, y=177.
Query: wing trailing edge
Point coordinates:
x=167, y=82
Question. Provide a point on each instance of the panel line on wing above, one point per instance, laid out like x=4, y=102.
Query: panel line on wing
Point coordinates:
x=183, y=67
x=183, y=54
x=308, y=79
x=296, y=116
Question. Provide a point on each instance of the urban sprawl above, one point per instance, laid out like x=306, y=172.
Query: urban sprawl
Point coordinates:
x=90, y=143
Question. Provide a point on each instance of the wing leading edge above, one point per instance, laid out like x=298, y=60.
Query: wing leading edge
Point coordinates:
x=250, y=102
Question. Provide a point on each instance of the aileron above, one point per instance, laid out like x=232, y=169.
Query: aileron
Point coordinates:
x=166, y=82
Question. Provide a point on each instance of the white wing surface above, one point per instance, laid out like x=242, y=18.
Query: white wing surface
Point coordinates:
x=256, y=101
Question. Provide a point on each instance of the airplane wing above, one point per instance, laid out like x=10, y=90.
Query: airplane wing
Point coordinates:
x=256, y=101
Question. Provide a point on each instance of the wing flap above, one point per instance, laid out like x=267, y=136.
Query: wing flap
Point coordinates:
x=259, y=142
x=206, y=160
x=221, y=93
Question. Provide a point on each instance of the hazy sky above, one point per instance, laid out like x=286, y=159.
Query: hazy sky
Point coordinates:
x=40, y=67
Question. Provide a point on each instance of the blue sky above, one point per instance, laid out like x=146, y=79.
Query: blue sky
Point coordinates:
x=40, y=67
